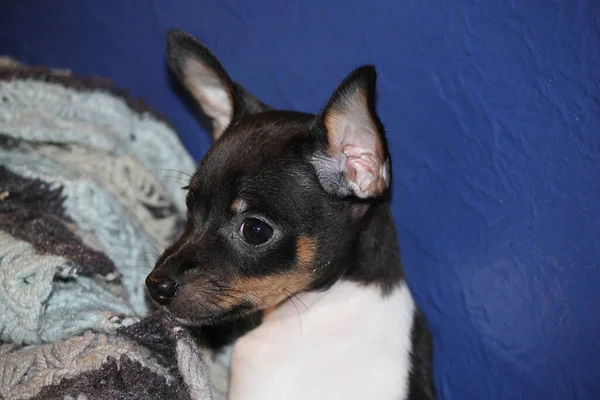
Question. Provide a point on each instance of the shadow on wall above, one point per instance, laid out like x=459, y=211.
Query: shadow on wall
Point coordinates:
x=492, y=113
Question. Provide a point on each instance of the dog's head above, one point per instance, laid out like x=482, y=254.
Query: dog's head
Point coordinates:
x=275, y=205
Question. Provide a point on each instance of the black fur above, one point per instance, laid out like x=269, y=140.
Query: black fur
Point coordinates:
x=421, y=379
x=266, y=158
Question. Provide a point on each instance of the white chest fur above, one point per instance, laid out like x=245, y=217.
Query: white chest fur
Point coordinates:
x=348, y=343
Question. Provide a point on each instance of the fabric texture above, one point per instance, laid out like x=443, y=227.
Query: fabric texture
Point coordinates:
x=89, y=194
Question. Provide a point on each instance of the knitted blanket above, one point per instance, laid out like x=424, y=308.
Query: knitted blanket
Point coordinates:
x=89, y=193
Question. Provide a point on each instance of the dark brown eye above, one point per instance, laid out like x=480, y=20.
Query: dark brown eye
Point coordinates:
x=189, y=201
x=255, y=231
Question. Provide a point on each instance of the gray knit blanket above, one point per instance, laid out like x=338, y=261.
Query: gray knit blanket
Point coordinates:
x=90, y=192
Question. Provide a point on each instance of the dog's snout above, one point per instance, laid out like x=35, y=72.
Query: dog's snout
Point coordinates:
x=161, y=288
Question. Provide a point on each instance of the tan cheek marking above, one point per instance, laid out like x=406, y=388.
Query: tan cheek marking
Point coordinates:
x=306, y=248
x=271, y=290
x=198, y=288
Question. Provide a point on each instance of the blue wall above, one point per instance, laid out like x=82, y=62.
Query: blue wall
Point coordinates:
x=493, y=114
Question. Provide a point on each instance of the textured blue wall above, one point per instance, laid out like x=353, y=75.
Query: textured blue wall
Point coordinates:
x=492, y=110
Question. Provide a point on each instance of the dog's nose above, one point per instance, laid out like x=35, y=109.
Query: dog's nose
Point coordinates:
x=161, y=288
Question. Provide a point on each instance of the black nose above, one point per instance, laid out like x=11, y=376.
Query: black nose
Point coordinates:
x=161, y=288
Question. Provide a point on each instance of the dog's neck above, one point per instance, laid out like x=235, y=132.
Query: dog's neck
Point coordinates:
x=376, y=258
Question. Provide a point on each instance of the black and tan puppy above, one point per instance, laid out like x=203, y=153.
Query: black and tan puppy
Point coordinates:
x=289, y=213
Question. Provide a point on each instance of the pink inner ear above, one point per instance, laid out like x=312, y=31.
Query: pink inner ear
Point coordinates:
x=364, y=172
x=356, y=145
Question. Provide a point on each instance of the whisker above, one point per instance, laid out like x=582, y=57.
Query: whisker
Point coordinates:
x=247, y=294
x=180, y=176
x=300, y=300
x=151, y=258
x=148, y=267
x=174, y=170
x=297, y=311
x=223, y=295
x=222, y=291
x=208, y=297
x=148, y=251
x=178, y=179
x=153, y=246
x=252, y=296
x=229, y=300
x=214, y=304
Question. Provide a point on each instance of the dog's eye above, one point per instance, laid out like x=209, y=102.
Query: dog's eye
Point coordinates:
x=189, y=201
x=256, y=232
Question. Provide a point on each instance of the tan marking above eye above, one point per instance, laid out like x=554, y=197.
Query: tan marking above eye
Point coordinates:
x=238, y=205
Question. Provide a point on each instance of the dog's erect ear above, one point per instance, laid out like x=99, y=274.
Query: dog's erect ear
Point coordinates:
x=202, y=75
x=351, y=156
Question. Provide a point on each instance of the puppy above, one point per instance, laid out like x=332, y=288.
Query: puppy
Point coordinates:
x=288, y=214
